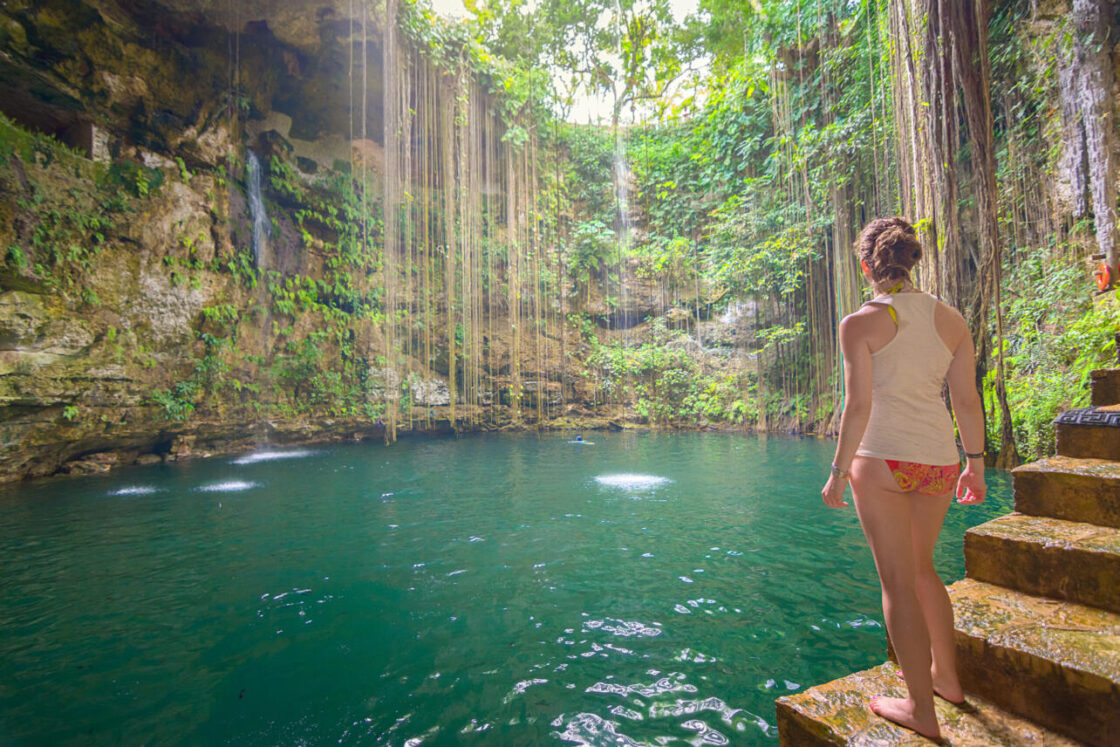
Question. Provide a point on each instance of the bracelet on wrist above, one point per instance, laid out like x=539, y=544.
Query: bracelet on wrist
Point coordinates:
x=978, y=455
x=842, y=474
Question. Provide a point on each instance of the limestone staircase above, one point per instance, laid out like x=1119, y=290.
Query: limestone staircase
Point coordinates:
x=1037, y=618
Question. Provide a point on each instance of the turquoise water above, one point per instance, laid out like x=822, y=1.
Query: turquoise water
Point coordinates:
x=497, y=590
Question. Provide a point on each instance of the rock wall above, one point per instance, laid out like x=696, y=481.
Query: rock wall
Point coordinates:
x=133, y=326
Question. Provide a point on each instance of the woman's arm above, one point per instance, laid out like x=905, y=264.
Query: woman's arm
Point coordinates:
x=857, y=404
x=968, y=410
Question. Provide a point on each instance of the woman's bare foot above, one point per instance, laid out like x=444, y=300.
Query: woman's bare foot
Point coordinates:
x=901, y=711
x=950, y=691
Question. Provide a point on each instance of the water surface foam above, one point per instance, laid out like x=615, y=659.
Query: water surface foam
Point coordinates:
x=228, y=486
x=630, y=481
x=271, y=456
x=135, y=490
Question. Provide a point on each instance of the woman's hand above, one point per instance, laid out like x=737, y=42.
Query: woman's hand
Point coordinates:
x=970, y=487
x=833, y=493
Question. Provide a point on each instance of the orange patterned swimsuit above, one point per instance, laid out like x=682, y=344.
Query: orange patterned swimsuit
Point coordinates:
x=927, y=479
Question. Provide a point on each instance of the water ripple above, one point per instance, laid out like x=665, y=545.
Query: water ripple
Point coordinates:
x=707, y=734
x=622, y=628
x=670, y=684
x=521, y=687
x=592, y=729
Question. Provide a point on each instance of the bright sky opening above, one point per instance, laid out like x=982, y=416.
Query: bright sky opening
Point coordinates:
x=586, y=108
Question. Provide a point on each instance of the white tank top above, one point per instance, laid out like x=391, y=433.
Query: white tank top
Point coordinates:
x=909, y=421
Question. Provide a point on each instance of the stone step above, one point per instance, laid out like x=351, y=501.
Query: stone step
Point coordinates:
x=836, y=713
x=1104, y=386
x=1066, y=560
x=1089, y=433
x=1057, y=663
x=1073, y=489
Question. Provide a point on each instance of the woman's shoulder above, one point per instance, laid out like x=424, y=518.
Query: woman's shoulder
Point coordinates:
x=869, y=311
x=947, y=312
x=868, y=320
x=950, y=323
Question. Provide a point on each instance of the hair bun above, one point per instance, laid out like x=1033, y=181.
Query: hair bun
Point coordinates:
x=891, y=235
x=890, y=247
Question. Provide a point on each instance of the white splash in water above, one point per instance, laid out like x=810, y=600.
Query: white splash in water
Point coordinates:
x=135, y=490
x=229, y=486
x=631, y=482
x=269, y=456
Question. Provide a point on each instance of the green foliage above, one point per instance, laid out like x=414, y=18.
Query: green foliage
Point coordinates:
x=66, y=208
x=591, y=244
x=241, y=266
x=1058, y=334
x=184, y=173
x=42, y=150
x=589, y=154
x=667, y=385
x=284, y=179
x=521, y=92
x=179, y=401
x=759, y=263
x=136, y=178
x=63, y=233
x=221, y=313
x=16, y=258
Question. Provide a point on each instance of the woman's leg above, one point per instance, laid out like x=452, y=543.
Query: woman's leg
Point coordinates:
x=883, y=509
x=926, y=516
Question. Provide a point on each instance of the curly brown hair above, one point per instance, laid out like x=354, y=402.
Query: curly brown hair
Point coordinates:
x=890, y=247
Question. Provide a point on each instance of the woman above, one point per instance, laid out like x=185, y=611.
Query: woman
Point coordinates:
x=897, y=447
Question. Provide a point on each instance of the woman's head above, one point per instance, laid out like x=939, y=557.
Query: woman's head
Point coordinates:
x=888, y=248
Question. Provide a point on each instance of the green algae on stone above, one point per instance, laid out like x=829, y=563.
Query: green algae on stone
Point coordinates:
x=1040, y=658
x=1049, y=557
x=836, y=713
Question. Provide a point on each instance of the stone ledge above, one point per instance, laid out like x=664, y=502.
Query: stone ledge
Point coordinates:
x=1071, y=561
x=1103, y=416
x=1089, y=433
x=1104, y=386
x=1072, y=489
x=1056, y=662
x=836, y=713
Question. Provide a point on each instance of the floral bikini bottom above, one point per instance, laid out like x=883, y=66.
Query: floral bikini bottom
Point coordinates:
x=927, y=479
